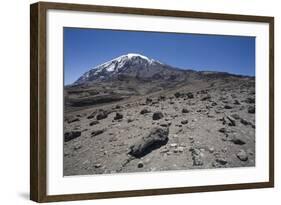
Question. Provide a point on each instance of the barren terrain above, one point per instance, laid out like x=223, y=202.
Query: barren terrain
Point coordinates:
x=127, y=125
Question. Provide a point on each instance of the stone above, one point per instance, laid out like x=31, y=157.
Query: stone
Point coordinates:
x=144, y=111
x=180, y=149
x=157, y=115
x=184, y=110
x=96, y=132
x=227, y=107
x=72, y=119
x=190, y=95
x=97, y=165
x=156, y=138
x=251, y=109
x=235, y=116
x=140, y=164
x=237, y=140
x=92, y=115
x=130, y=120
x=165, y=124
x=71, y=135
x=162, y=98
x=178, y=95
x=236, y=102
x=214, y=104
x=223, y=130
x=148, y=100
x=244, y=122
x=101, y=115
x=94, y=122
x=184, y=122
x=196, y=157
x=173, y=145
x=242, y=155
x=211, y=149
x=221, y=161
x=231, y=121
x=118, y=116
x=207, y=97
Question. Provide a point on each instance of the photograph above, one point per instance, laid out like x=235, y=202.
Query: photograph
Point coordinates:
x=146, y=101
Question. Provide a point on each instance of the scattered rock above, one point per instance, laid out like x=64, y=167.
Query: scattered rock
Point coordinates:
x=231, y=121
x=224, y=150
x=236, y=102
x=178, y=95
x=184, y=122
x=165, y=124
x=196, y=157
x=72, y=119
x=180, y=149
x=251, y=109
x=237, y=140
x=214, y=104
x=211, y=149
x=190, y=95
x=148, y=100
x=242, y=155
x=71, y=135
x=97, y=165
x=228, y=120
x=96, y=132
x=244, y=122
x=162, y=98
x=94, y=122
x=184, y=110
x=227, y=107
x=222, y=130
x=221, y=161
x=173, y=145
x=207, y=97
x=144, y=111
x=130, y=120
x=140, y=164
x=157, y=115
x=117, y=107
x=155, y=139
x=118, y=116
x=102, y=115
x=235, y=116
x=92, y=115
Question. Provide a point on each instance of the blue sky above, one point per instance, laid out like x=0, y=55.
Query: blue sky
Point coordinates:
x=86, y=48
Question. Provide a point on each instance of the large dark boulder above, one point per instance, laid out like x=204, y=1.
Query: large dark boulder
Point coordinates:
x=155, y=139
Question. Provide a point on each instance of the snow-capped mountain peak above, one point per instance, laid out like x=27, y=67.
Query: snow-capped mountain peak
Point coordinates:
x=121, y=64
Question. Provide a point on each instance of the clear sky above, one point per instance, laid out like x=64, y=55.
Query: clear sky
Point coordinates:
x=86, y=48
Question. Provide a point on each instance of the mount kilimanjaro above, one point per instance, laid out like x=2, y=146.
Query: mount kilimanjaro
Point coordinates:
x=137, y=114
x=130, y=65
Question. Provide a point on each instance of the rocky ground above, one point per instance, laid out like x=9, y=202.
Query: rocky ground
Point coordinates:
x=198, y=125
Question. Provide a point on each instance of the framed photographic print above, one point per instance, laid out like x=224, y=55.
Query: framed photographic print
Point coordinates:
x=134, y=102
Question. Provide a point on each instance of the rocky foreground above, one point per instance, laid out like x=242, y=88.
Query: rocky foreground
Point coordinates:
x=194, y=126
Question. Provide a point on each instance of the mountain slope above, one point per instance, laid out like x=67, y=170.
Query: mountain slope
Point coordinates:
x=130, y=65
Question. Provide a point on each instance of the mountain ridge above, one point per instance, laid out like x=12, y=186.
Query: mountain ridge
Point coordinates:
x=141, y=67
